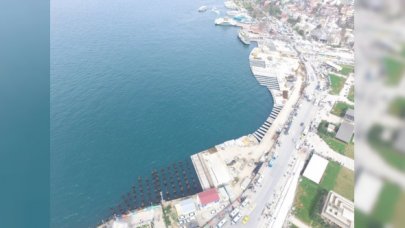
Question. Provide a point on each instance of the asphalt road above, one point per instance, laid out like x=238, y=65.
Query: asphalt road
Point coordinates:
x=272, y=176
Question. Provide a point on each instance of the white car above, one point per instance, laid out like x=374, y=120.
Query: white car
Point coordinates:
x=234, y=212
x=236, y=219
x=245, y=202
x=260, y=179
x=221, y=223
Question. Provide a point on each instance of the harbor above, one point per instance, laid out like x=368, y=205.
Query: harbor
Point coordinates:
x=255, y=177
x=226, y=170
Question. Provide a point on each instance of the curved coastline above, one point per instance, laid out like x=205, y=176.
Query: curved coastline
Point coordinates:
x=271, y=83
x=102, y=137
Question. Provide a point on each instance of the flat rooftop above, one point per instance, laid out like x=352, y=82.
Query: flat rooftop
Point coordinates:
x=345, y=132
x=338, y=210
x=315, y=168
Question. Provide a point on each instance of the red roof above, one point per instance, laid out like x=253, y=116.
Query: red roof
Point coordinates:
x=208, y=196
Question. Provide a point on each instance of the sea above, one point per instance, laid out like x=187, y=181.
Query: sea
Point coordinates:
x=137, y=85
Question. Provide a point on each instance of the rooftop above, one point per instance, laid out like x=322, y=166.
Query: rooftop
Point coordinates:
x=349, y=115
x=345, y=132
x=185, y=207
x=315, y=168
x=339, y=210
x=208, y=196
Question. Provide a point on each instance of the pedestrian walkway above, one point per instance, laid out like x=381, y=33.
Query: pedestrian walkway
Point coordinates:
x=323, y=149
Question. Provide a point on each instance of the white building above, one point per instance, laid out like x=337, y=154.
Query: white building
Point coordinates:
x=315, y=168
x=185, y=207
x=338, y=210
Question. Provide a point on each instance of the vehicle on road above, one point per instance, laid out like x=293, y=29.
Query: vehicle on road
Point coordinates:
x=222, y=223
x=236, y=219
x=297, y=144
x=234, y=212
x=305, y=132
x=245, y=202
x=260, y=179
x=246, y=219
x=271, y=162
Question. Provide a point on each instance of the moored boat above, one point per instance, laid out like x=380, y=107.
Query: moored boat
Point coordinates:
x=224, y=21
x=202, y=9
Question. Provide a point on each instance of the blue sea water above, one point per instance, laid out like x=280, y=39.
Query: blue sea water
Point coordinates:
x=136, y=85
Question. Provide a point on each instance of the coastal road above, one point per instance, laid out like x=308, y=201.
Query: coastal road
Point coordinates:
x=272, y=176
x=286, y=149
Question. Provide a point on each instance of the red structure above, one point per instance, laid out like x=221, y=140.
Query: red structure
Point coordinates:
x=208, y=196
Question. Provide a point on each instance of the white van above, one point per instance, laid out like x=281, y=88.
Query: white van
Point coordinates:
x=221, y=223
x=234, y=212
x=245, y=202
x=236, y=219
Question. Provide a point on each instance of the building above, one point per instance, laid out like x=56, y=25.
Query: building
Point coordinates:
x=218, y=171
x=335, y=66
x=345, y=132
x=331, y=127
x=223, y=194
x=349, y=115
x=208, y=197
x=338, y=210
x=185, y=207
x=315, y=168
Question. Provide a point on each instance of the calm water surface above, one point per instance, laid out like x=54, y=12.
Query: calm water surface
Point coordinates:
x=136, y=85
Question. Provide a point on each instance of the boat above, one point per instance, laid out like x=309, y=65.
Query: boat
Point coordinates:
x=202, y=9
x=224, y=21
x=244, y=37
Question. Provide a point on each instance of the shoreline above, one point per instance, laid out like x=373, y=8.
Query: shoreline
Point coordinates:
x=258, y=145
